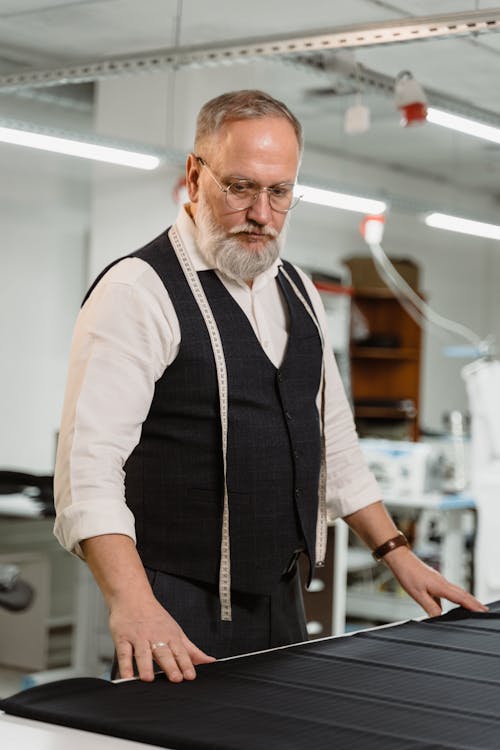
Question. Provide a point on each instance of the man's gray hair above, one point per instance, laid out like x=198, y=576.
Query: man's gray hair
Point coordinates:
x=247, y=104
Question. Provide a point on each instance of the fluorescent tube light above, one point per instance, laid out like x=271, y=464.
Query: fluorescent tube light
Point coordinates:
x=82, y=149
x=465, y=226
x=340, y=200
x=463, y=124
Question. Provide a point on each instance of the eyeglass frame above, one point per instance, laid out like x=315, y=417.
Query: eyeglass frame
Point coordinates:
x=259, y=190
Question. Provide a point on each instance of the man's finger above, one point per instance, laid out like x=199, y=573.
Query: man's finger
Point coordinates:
x=144, y=661
x=431, y=604
x=183, y=660
x=124, y=658
x=165, y=659
x=457, y=595
x=197, y=655
x=466, y=600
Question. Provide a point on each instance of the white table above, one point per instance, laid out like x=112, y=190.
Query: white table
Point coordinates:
x=26, y=734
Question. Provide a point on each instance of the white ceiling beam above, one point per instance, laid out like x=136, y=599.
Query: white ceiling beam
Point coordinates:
x=363, y=35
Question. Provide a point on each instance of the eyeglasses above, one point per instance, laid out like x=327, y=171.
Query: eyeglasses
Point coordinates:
x=242, y=194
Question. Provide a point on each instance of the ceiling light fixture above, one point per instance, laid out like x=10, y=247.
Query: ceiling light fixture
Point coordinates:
x=340, y=200
x=410, y=99
x=84, y=150
x=464, y=226
x=463, y=124
x=357, y=118
x=372, y=229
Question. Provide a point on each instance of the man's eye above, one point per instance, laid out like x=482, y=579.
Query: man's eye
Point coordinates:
x=280, y=192
x=242, y=188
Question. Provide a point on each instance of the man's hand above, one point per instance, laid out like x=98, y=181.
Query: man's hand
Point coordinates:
x=148, y=632
x=426, y=585
x=141, y=628
x=374, y=526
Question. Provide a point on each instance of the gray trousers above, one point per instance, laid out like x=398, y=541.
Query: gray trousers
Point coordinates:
x=259, y=621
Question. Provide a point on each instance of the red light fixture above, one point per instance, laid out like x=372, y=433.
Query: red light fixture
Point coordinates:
x=410, y=99
x=372, y=228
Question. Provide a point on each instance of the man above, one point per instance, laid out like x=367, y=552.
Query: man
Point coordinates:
x=203, y=390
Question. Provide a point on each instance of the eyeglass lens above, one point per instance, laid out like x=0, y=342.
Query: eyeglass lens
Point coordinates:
x=243, y=194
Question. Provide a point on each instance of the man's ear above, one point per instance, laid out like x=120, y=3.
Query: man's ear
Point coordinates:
x=193, y=169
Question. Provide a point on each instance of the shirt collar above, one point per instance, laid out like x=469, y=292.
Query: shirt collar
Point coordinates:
x=187, y=230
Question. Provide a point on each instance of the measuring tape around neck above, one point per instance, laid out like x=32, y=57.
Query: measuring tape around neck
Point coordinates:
x=220, y=365
x=322, y=522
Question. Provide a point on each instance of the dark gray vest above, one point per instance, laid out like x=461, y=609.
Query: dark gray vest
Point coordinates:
x=174, y=477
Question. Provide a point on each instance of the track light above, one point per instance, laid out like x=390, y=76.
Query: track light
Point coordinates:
x=463, y=124
x=357, y=118
x=464, y=226
x=410, y=99
x=340, y=200
x=73, y=147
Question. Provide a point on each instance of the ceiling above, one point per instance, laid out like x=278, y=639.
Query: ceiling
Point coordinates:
x=54, y=35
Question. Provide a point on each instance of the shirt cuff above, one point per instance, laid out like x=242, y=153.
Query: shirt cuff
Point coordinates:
x=353, y=497
x=83, y=520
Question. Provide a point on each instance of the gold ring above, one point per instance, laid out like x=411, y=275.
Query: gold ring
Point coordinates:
x=160, y=644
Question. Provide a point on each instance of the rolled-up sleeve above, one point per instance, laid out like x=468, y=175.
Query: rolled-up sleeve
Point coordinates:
x=350, y=484
x=121, y=345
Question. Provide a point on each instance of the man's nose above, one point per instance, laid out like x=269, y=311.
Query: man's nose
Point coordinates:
x=261, y=211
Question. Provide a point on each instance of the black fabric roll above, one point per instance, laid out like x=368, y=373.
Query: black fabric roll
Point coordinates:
x=430, y=685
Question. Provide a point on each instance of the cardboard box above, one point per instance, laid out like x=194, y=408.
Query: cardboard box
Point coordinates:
x=365, y=275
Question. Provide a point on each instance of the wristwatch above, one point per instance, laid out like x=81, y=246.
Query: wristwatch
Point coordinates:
x=396, y=541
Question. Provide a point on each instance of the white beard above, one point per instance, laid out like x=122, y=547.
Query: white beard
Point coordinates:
x=228, y=254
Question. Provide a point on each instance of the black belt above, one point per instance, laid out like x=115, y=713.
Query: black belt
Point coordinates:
x=292, y=563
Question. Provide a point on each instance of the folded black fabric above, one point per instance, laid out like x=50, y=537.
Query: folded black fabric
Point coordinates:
x=427, y=685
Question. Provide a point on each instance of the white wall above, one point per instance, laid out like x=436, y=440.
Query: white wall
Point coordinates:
x=54, y=208
x=459, y=278
x=129, y=207
x=458, y=273
x=43, y=229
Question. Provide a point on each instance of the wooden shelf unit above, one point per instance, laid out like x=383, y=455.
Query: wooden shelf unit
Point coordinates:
x=386, y=379
x=379, y=352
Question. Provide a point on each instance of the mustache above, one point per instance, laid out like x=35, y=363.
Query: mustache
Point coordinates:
x=248, y=228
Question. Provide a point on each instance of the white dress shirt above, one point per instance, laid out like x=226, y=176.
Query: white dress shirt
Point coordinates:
x=126, y=335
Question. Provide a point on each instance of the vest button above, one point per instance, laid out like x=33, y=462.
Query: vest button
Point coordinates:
x=280, y=376
x=298, y=492
x=288, y=415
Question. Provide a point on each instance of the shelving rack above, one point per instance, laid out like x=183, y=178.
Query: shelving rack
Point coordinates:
x=385, y=367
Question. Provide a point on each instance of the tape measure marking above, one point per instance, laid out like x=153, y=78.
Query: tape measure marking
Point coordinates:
x=220, y=365
x=322, y=521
